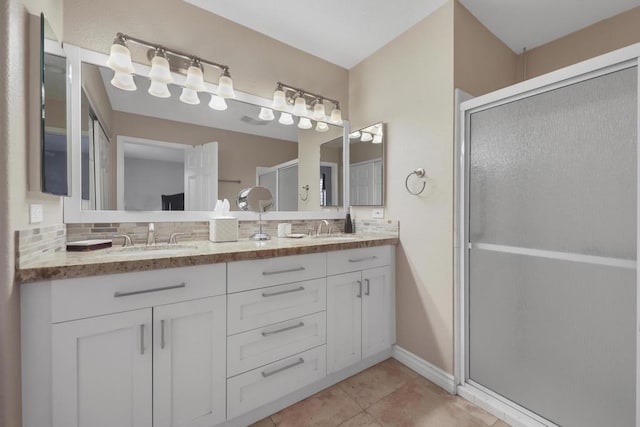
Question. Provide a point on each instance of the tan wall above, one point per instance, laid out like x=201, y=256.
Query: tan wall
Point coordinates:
x=96, y=93
x=363, y=151
x=602, y=37
x=417, y=108
x=257, y=62
x=14, y=195
x=238, y=153
x=483, y=63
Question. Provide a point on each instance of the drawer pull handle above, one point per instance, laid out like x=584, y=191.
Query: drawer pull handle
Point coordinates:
x=288, y=291
x=162, y=343
x=277, y=331
x=359, y=289
x=146, y=291
x=300, y=361
x=362, y=259
x=290, y=270
x=367, y=293
x=142, y=339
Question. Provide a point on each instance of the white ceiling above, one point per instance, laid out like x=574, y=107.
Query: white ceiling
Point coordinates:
x=346, y=32
x=339, y=31
x=531, y=23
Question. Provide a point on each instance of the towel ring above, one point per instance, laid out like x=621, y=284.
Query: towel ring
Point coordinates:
x=304, y=197
x=420, y=174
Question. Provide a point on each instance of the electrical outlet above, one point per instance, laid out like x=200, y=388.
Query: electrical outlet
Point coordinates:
x=378, y=213
x=35, y=214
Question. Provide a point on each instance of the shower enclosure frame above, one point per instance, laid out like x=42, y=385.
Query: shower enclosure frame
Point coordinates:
x=614, y=61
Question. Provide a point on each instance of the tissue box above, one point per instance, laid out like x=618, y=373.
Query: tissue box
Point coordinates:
x=223, y=230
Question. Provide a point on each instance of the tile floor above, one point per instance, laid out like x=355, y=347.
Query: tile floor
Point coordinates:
x=387, y=394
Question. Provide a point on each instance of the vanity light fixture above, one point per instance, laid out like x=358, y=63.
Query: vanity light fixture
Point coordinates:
x=377, y=139
x=286, y=95
x=354, y=135
x=217, y=103
x=322, y=127
x=366, y=137
x=266, y=114
x=305, y=123
x=163, y=58
x=285, y=119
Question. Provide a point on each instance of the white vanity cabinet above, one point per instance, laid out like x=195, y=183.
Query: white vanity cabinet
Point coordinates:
x=359, y=305
x=155, y=353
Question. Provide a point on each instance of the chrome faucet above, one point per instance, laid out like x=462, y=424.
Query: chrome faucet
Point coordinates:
x=126, y=239
x=320, y=224
x=151, y=234
x=173, y=239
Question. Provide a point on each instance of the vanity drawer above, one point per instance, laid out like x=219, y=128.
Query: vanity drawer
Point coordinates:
x=259, y=347
x=263, y=385
x=339, y=262
x=261, y=307
x=97, y=295
x=246, y=275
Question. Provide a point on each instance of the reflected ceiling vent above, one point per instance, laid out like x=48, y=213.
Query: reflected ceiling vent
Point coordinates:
x=252, y=121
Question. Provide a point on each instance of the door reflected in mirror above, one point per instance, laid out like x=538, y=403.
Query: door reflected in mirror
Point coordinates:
x=366, y=166
x=140, y=151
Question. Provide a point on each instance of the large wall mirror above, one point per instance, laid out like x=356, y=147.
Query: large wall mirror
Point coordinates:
x=366, y=166
x=141, y=154
x=54, y=156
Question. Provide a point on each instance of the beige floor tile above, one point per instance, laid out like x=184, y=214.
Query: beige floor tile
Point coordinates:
x=415, y=404
x=371, y=385
x=501, y=423
x=266, y=422
x=328, y=408
x=361, y=420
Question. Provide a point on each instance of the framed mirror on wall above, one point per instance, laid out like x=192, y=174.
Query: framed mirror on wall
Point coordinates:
x=136, y=153
x=54, y=153
x=366, y=166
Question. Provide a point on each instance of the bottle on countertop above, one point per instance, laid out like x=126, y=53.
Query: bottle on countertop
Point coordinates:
x=348, y=225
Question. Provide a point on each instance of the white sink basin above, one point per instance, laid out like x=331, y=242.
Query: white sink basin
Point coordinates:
x=154, y=250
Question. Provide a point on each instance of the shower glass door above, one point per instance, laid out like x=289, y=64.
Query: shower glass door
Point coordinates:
x=551, y=255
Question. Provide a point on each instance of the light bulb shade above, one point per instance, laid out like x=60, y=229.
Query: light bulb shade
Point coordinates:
x=300, y=107
x=195, y=80
x=120, y=59
x=318, y=111
x=266, y=114
x=225, y=87
x=189, y=96
x=305, y=123
x=354, y=135
x=159, y=89
x=336, y=116
x=279, y=101
x=123, y=81
x=366, y=137
x=377, y=139
x=160, y=70
x=217, y=103
x=322, y=127
x=285, y=119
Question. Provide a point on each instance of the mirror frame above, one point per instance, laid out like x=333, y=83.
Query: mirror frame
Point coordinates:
x=73, y=212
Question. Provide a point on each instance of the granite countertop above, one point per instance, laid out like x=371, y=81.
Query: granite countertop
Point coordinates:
x=65, y=265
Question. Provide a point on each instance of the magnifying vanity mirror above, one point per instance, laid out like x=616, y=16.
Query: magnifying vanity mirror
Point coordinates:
x=366, y=160
x=256, y=199
x=140, y=153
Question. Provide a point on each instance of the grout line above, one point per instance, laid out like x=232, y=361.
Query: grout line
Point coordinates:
x=359, y=413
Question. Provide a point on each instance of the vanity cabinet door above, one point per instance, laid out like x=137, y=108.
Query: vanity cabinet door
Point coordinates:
x=344, y=320
x=102, y=371
x=376, y=310
x=189, y=369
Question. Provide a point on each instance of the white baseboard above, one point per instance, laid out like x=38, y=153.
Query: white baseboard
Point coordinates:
x=424, y=368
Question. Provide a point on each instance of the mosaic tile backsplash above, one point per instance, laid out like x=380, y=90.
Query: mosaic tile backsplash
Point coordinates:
x=36, y=242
